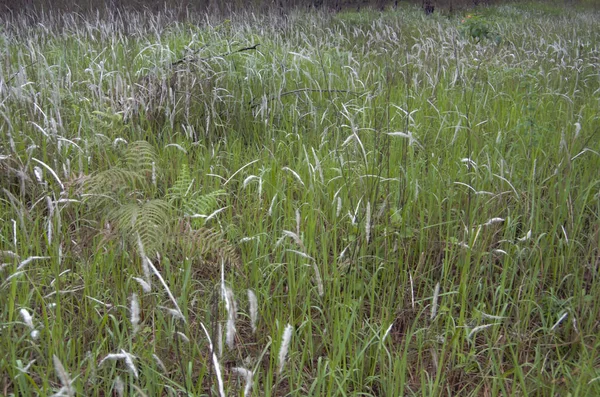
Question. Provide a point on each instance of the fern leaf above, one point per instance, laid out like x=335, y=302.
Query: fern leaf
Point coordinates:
x=140, y=156
x=182, y=186
x=203, y=204
x=149, y=220
x=209, y=245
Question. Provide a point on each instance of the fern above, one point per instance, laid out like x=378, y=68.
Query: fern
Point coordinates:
x=182, y=186
x=149, y=220
x=183, y=195
x=118, y=195
x=209, y=245
x=140, y=156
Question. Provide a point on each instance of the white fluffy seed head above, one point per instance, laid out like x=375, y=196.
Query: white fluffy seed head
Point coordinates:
x=126, y=357
x=27, y=318
x=231, y=307
x=183, y=337
x=160, y=364
x=318, y=279
x=64, y=377
x=253, y=302
x=368, y=222
x=434, y=304
x=145, y=286
x=135, y=313
x=119, y=386
x=247, y=374
x=285, y=345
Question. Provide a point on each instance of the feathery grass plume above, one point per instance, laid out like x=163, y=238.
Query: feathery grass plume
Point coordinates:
x=62, y=187
x=231, y=307
x=183, y=337
x=434, y=304
x=408, y=135
x=248, y=180
x=145, y=266
x=119, y=387
x=154, y=173
x=39, y=175
x=253, y=309
x=526, y=237
x=577, y=129
x=27, y=318
x=298, y=222
x=270, y=211
x=65, y=379
x=295, y=174
x=479, y=328
x=368, y=222
x=50, y=206
x=285, y=345
x=220, y=339
x=292, y=235
x=14, y=228
x=493, y=221
x=135, y=313
x=126, y=357
x=215, y=362
x=145, y=286
x=157, y=274
x=247, y=374
x=318, y=279
x=173, y=312
x=160, y=364
x=29, y=260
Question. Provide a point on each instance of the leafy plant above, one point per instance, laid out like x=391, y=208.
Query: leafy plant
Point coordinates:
x=191, y=203
x=123, y=197
x=478, y=28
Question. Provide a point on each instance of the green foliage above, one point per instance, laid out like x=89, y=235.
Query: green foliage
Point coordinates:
x=478, y=28
x=185, y=196
x=125, y=182
x=122, y=196
x=404, y=199
x=150, y=220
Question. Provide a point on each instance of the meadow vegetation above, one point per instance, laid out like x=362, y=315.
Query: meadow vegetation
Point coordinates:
x=327, y=204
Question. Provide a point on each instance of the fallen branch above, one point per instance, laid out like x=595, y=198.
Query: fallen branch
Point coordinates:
x=194, y=59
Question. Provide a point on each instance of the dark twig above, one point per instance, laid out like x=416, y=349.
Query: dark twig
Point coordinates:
x=20, y=70
x=192, y=58
x=180, y=356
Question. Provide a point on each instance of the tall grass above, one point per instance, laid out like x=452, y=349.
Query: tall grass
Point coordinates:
x=364, y=203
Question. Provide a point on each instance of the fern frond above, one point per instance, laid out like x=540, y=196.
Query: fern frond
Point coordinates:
x=140, y=156
x=149, y=220
x=182, y=186
x=183, y=195
x=114, y=179
x=112, y=185
x=202, y=204
x=209, y=245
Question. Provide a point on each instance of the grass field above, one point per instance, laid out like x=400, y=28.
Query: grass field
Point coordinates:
x=413, y=203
